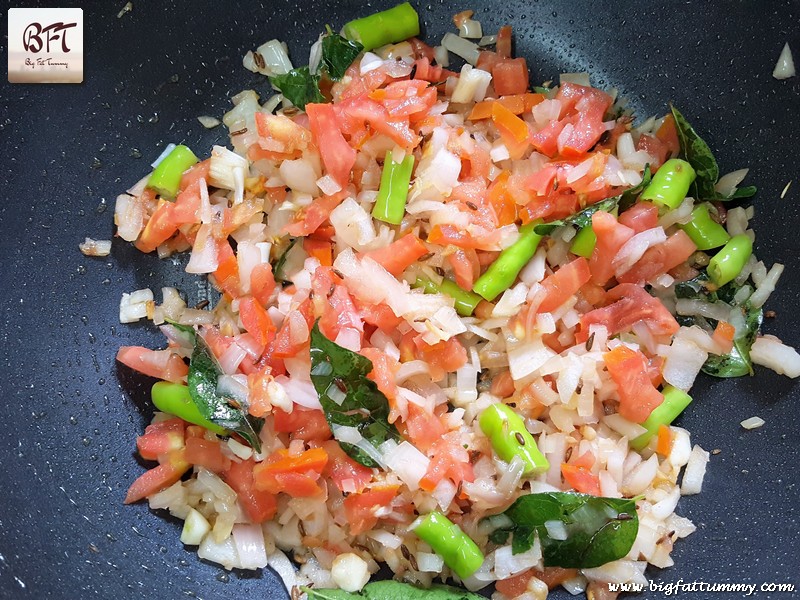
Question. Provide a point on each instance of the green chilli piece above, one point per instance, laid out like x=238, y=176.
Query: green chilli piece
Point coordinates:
x=465, y=302
x=502, y=273
x=509, y=436
x=447, y=539
x=166, y=177
x=390, y=205
x=175, y=399
x=704, y=231
x=675, y=402
x=726, y=264
x=386, y=27
x=583, y=244
x=670, y=184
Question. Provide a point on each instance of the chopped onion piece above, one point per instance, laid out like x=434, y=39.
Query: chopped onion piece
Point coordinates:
x=208, y=122
x=785, y=65
x=92, y=247
x=727, y=183
x=692, y=481
x=753, y=423
x=461, y=47
x=470, y=28
x=576, y=78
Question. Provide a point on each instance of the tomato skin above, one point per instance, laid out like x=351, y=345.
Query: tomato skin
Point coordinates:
x=186, y=208
x=302, y=423
x=503, y=45
x=629, y=303
x=637, y=395
x=660, y=258
x=153, y=363
x=337, y=155
x=581, y=479
x=158, y=478
x=341, y=468
x=564, y=283
x=206, y=453
x=361, y=508
x=399, y=255
x=260, y=506
x=294, y=475
x=611, y=236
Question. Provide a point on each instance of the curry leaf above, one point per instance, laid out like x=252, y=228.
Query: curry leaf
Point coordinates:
x=599, y=530
x=347, y=396
x=392, y=590
x=737, y=363
x=695, y=150
x=299, y=86
x=338, y=54
x=204, y=372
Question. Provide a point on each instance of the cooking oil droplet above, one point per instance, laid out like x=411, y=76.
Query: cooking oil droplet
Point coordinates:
x=73, y=420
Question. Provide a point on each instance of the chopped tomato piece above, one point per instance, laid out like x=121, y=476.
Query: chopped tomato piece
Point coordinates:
x=668, y=133
x=315, y=214
x=640, y=217
x=399, y=255
x=424, y=428
x=227, y=274
x=581, y=479
x=206, y=453
x=379, y=315
x=551, y=576
x=337, y=155
x=660, y=258
x=629, y=304
x=260, y=506
x=510, y=76
x=637, y=395
x=449, y=460
x=348, y=475
x=664, y=442
x=448, y=355
x=256, y=320
x=546, y=139
x=161, y=364
x=161, y=438
x=503, y=45
x=611, y=236
x=322, y=250
x=294, y=475
x=564, y=283
x=159, y=228
x=302, y=423
x=158, y=478
x=195, y=173
x=262, y=283
x=724, y=334
x=361, y=509
x=466, y=267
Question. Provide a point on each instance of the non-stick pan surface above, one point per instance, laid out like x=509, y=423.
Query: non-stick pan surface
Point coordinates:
x=70, y=414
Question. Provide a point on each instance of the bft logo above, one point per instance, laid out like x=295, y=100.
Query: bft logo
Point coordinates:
x=45, y=45
x=32, y=36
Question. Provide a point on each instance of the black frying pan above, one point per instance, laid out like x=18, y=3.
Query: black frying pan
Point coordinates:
x=70, y=415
